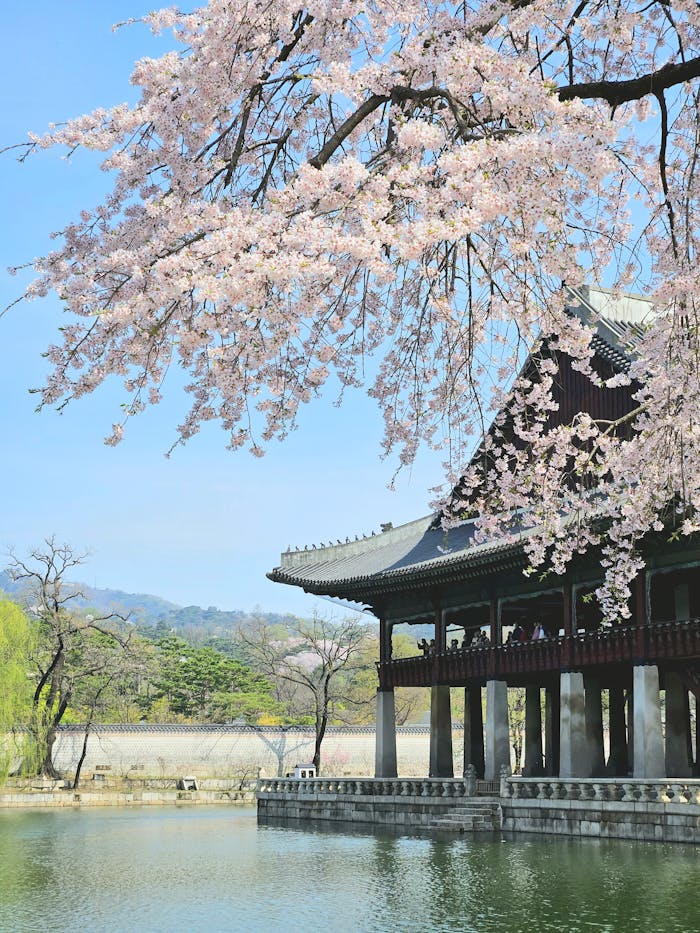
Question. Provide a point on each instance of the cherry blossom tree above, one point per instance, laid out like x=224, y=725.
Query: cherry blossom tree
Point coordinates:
x=300, y=190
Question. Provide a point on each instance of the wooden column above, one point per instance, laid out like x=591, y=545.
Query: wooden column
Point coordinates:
x=494, y=622
x=384, y=641
x=440, y=629
x=567, y=614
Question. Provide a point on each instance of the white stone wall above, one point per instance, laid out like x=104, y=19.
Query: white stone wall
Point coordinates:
x=168, y=751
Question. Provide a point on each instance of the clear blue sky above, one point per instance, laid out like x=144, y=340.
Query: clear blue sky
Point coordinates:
x=204, y=526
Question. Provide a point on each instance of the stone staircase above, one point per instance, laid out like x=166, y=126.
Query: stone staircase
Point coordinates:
x=483, y=815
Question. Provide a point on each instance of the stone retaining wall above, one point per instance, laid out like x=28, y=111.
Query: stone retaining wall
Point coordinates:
x=655, y=811
x=67, y=798
x=650, y=822
x=404, y=812
x=662, y=810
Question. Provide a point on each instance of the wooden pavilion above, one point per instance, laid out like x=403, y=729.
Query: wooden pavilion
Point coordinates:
x=646, y=667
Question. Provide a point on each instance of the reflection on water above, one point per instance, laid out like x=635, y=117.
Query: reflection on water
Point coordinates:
x=214, y=869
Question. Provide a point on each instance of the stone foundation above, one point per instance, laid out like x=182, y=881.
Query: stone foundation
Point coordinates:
x=642, y=810
x=650, y=822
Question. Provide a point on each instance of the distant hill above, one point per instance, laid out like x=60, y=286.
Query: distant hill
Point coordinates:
x=147, y=611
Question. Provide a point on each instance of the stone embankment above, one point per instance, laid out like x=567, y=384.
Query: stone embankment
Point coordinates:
x=59, y=794
x=661, y=811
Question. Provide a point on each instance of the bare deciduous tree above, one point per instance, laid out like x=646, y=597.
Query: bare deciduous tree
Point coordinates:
x=311, y=671
x=72, y=647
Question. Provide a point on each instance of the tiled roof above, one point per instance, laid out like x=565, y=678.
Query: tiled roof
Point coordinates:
x=619, y=320
x=421, y=550
x=417, y=550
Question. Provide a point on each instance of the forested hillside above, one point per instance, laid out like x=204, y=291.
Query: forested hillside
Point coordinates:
x=153, y=615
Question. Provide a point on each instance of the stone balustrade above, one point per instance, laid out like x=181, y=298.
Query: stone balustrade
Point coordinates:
x=663, y=791
x=442, y=788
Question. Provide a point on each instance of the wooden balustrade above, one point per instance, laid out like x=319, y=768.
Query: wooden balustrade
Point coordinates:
x=628, y=644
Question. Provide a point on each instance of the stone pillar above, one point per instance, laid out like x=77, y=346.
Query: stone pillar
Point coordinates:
x=551, y=730
x=497, y=751
x=630, y=729
x=677, y=724
x=533, y=766
x=594, y=726
x=574, y=759
x=648, y=739
x=473, y=730
x=440, y=733
x=385, y=738
x=618, y=762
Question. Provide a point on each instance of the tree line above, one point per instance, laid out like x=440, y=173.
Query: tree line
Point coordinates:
x=62, y=663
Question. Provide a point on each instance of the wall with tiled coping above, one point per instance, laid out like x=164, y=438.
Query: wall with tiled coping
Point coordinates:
x=165, y=750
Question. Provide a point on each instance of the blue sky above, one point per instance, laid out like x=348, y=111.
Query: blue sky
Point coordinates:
x=204, y=526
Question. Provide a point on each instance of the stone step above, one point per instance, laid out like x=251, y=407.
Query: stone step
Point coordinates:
x=472, y=826
x=474, y=808
x=469, y=818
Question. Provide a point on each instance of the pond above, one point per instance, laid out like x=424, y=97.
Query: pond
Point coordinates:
x=215, y=869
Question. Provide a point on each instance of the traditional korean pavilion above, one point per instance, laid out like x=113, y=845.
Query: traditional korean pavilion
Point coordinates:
x=633, y=680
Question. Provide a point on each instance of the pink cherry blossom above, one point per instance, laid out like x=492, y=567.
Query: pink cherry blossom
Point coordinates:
x=300, y=189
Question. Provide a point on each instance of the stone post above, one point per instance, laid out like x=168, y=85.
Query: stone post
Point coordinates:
x=677, y=725
x=618, y=762
x=473, y=730
x=574, y=761
x=551, y=730
x=497, y=751
x=385, y=738
x=648, y=739
x=594, y=726
x=441, y=765
x=533, y=766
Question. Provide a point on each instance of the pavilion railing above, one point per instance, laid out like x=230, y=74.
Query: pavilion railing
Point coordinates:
x=624, y=790
x=684, y=791
x=658, y=641
x=368, y=787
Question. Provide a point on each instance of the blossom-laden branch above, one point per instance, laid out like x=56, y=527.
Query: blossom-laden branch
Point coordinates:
x=299, y=189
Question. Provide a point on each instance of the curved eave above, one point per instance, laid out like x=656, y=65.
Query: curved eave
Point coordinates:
x=453, y=569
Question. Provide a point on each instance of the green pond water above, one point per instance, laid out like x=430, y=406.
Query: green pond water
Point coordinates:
x=211, y=869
